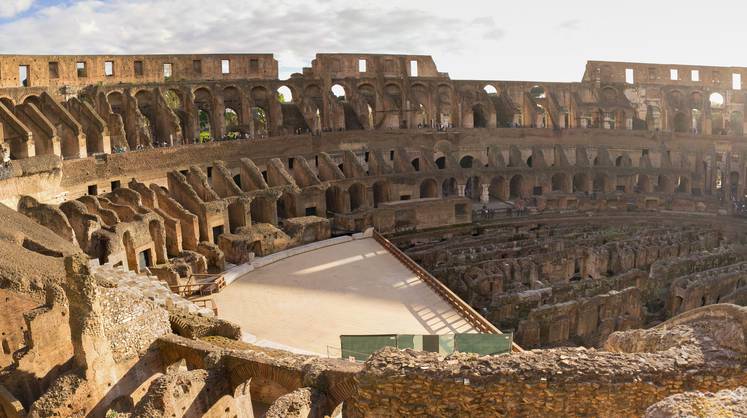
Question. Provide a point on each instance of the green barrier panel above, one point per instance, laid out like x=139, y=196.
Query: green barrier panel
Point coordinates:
x=408, y=341
x=483, y=344
x=446, y=344
x=362, y=346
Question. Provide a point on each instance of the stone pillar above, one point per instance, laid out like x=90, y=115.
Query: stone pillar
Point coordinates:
x=193, y=118
x=485, y=193
x=247, y=115
x=219, y=117
x=742, y=177
x=460, y=189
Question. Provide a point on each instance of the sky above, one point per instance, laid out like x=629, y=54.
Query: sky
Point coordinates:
x=542, y=40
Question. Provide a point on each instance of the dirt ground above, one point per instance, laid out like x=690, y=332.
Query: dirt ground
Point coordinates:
x=309, y=300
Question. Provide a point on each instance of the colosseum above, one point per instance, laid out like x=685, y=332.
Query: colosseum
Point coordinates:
x=190, y=235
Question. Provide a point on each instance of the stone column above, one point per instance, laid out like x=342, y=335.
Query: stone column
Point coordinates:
x=742, y=177
x=247, y=113
x=485, y=194
x=219, y=118
x=460, y=189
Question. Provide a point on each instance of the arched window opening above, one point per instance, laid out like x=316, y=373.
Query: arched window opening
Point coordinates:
x=466, y=161
x=204, y=118
x=449, y=187
x=537, y=92
x=428, y=188
x=717, y=100
x=339, y=92
x=231, y=119
x=260, y=120
x=516, y=187
x=285, y=95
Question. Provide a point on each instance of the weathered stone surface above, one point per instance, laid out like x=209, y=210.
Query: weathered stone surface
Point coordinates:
x=724, y=403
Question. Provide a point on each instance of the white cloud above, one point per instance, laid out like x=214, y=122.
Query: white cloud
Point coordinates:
x=10, y=8
x=292, y=29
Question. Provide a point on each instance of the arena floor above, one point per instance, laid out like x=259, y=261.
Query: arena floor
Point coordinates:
x=307, y=301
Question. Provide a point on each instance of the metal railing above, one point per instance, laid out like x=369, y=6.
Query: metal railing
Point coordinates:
x=465, y=311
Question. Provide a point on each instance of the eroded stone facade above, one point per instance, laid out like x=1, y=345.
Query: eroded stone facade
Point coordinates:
x=601, y=215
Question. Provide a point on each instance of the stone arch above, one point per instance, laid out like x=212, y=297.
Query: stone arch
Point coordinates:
x=393, y=106
x=262, y=210
x=467, y=161
x=146, y=103
x=498, y=188
x=232, y=101
x=683, y=184
x=472, y=188
x=428, y=188
x=313, y=105
x=449, y=187
x=444, y=97
x=644, y=184
x=734, y=182
x=681, y=124
x=32, y=98
x=8, y=102
x=176, y=102
x=441, y=162
x=415, y=164
x=420, y=96
x=339, y=91
x=286, y=206
x=261, y=111
x=581, y=182
x=286, y=94
x=479, y=116
x=716, y=101
x=601, y=183
x=367, y=96
x=736, y=123
x=203, y=100
x=357, y=192
x=381, y=192
x=335, y=200
x=559, y=183
x=344, y=112
x=516, y=187
x=538, y=92
x=623, y=161
x=664, y=184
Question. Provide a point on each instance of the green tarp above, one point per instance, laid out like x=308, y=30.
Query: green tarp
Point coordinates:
x=361, y=347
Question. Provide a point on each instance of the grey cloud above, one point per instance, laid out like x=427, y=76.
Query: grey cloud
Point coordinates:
x=294, y=30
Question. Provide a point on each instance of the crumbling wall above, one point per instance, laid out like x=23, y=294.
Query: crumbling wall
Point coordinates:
x=130, y=323
x=643, y=369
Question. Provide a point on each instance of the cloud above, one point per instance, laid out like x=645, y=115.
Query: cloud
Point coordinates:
x=292, y=29
x=10, y=8
x=570, y=24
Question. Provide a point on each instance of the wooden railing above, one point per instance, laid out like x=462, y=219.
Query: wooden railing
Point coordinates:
x=206, y=303
x=465, y=311
x=207, y=285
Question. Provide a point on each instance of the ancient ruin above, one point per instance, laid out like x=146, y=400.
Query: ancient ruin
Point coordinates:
x=189, y=235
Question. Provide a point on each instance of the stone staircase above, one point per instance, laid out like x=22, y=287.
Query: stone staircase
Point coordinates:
x=149, y=287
